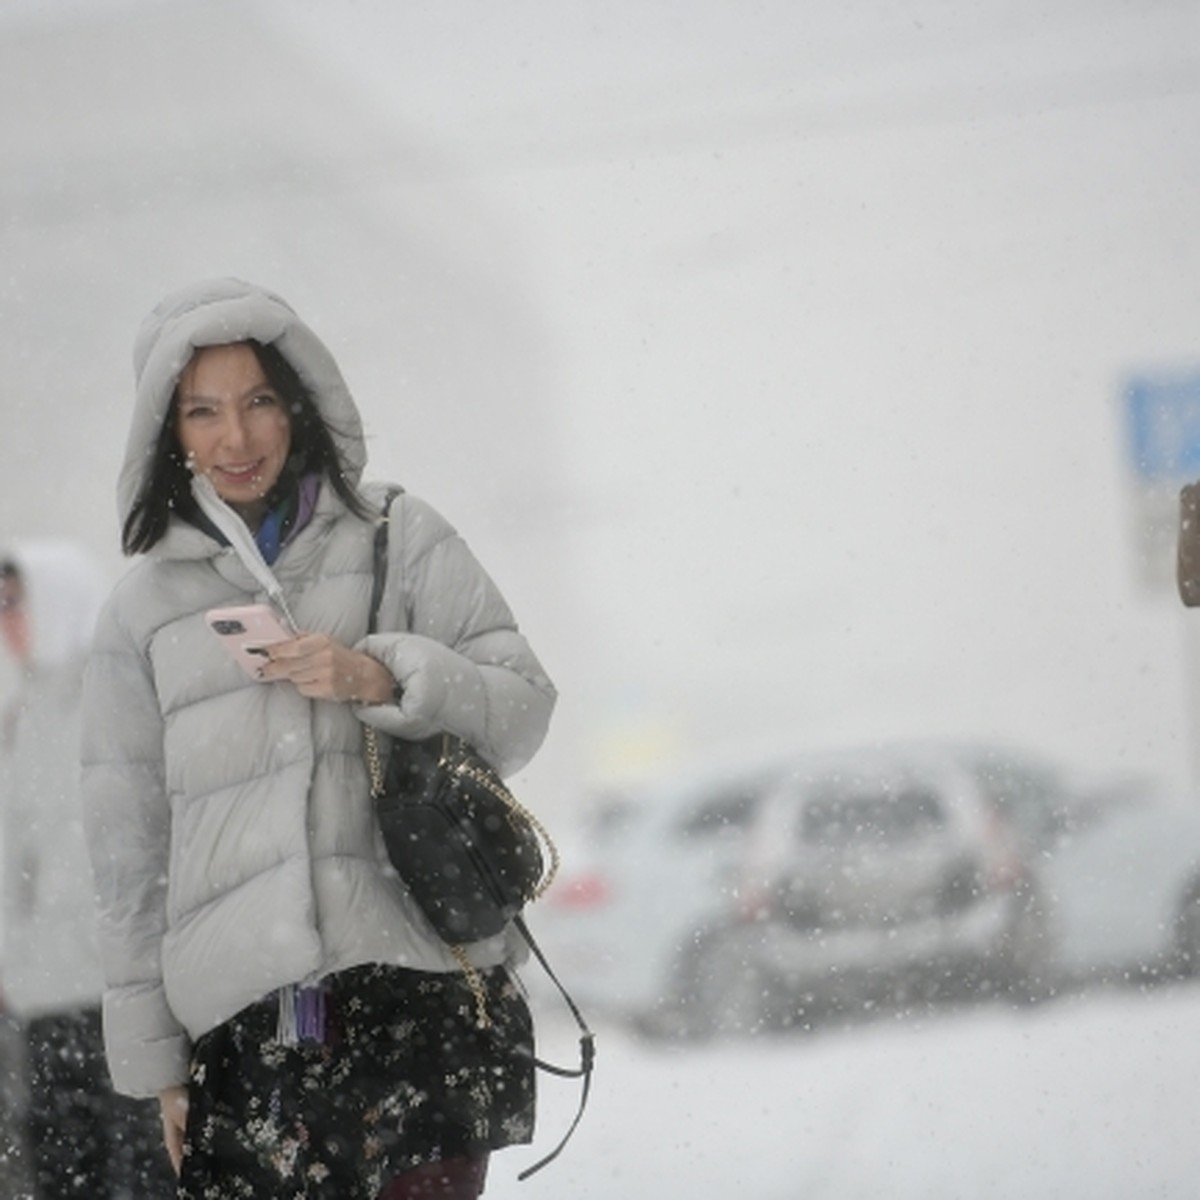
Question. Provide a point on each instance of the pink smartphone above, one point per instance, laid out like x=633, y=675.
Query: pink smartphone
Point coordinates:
x=245, y=631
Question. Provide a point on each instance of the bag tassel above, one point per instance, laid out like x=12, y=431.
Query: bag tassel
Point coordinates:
x=302, y=1013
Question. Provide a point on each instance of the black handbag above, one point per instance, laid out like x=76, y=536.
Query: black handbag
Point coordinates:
x=469, y=853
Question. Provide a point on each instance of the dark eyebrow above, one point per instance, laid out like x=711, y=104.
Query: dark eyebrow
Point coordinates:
x=256, y=390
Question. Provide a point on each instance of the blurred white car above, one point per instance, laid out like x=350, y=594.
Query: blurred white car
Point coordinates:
x=1123, y=895
x=885, y=875
x=758, y=895
x=657, y=864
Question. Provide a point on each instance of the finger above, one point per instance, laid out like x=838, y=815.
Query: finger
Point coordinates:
x=292, y=648
x=296, y=667
x=279, y=670
x=173, y=1140
x=316, y=691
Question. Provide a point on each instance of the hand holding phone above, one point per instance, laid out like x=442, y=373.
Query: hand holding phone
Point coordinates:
x=246, y=630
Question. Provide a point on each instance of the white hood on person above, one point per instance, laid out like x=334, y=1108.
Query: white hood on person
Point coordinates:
x=215, y=313
x=64, y=591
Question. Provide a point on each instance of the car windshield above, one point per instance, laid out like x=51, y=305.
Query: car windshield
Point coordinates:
x=732, y=809
x=842, y=816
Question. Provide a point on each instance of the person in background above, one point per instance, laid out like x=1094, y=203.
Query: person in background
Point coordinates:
x=268, y=977
x=1187, y=562
x=83, y=1139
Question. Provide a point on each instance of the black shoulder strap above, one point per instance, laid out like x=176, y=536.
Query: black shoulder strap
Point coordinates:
x=587, y=1053
x=379, y=574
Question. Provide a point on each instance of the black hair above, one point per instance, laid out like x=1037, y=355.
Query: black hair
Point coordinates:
x=167, y=487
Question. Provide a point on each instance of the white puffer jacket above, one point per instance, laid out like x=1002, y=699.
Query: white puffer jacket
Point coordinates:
x=49, y=962
x=231, y=834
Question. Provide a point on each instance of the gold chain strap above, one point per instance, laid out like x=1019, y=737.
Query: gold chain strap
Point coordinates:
x=484, y=779
x=374, y=765
x=475, y=983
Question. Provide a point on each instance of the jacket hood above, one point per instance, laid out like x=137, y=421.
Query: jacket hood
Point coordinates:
x=214, y=313
x=64, y=591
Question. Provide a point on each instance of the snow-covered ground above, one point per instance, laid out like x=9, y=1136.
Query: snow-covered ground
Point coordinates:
x=1087, y=1098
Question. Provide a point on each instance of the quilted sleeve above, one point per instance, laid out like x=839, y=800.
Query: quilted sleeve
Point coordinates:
x=127, y=824
x=461, y=662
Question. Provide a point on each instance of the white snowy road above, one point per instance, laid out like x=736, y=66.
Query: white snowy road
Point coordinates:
x=1090, y=1097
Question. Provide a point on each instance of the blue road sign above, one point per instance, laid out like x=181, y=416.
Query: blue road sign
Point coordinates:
x=1163, y=424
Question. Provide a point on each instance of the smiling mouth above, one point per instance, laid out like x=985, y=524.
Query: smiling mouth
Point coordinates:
x=239, y=474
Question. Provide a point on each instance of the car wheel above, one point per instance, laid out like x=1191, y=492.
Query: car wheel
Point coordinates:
x=1187, y=935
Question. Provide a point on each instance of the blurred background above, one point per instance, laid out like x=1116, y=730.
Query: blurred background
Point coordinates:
x=773, y=359
x=807, y=376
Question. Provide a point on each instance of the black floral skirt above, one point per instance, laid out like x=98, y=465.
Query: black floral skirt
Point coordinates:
x=403, y=1076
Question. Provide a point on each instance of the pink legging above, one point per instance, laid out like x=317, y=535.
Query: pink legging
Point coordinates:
x=450, y=1179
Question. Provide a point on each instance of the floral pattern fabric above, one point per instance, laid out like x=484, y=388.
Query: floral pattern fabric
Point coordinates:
x=404, y=1076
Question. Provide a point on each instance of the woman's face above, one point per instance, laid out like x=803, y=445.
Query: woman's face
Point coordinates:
x=233, y=426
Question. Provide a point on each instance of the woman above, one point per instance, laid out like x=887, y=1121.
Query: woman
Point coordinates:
x=82, y=1139
x=267, y=977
